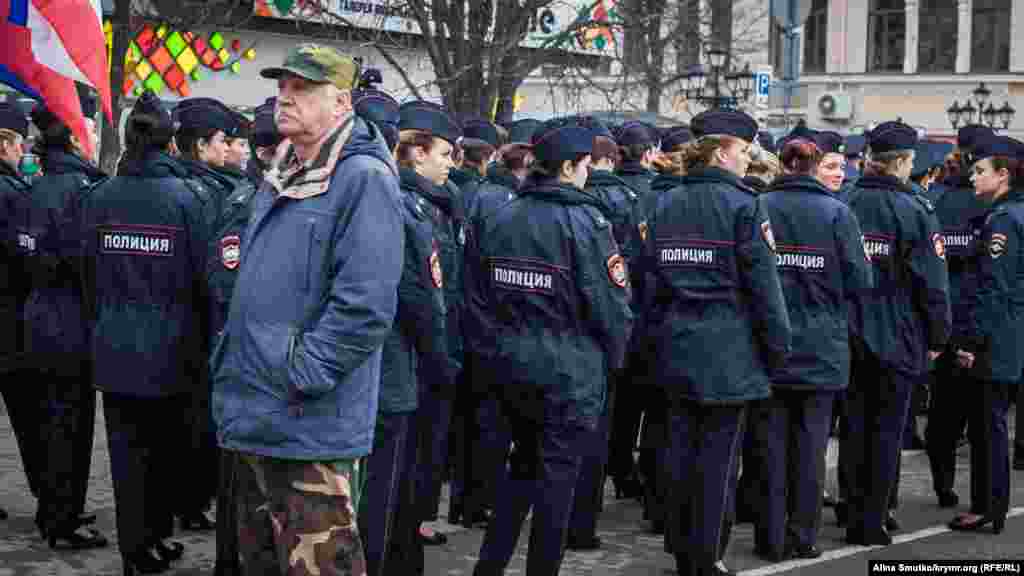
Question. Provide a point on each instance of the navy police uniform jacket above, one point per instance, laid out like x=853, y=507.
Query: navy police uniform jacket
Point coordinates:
x=996, y=309
x=16, y=244
x=637, y=177
x=959, y=213
x=822, y=265
x=144, y=281
x=224, y=252
x=499, y=188
x=445, y=209
x=56, y=332
x=468, y=180
x=907, y=312
x=715, y=316
x=548, y=297
x=619, y=200
x=218, y=186
x=416, y=351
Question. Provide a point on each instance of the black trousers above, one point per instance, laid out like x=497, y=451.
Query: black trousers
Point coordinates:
x=878, y=401
x=947, y=419
x=26, y=403
x=69, y=430
x=227, y=563
x=143, y=457
x=990, y=447
x=196, y=423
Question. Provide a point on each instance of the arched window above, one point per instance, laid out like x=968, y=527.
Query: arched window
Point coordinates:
x=937, y=31
x=816, y=37
x=887, y=31
x=990, y=36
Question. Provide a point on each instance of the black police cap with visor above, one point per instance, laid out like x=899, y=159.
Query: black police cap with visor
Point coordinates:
x=206, y=113
x=264, y=128
x=481, y=129
x=430, y=118
x=13, y=118
x=564, y=139
x=892, y=137
x=733, y=123
x=521, y=131
x=381, y=109
x=996, y=145
x=636, y=133
x=829, y=142
x=675, y=136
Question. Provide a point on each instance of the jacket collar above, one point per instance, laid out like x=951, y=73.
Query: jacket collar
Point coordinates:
x=801, y=182
x=664, y=182
x=884, y=181
x=291, y=178
x=60, y=162
x=604, y=178
x=635, y=169
x=552, y=190
x=156, y=164
x=502, y=176
x=711, y=174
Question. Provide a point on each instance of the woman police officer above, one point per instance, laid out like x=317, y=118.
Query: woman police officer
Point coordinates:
x=716, y=322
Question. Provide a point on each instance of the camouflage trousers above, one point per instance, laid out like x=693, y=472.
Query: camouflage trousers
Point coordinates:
x=298, y=518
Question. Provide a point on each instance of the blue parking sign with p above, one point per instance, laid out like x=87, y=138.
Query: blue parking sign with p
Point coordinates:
x=764, y=82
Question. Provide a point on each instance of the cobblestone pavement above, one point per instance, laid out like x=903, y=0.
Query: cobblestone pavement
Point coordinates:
x=628, y=550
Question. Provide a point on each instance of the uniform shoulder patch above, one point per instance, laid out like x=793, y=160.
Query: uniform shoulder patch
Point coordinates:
x=617, y=270
x=997, y=245
x=434, y=265
x=939, y=244
x=642, y=228
x=230, y=251
x=767, y=235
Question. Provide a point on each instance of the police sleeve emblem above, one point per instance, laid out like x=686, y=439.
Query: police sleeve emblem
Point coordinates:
x=436, y=275
x=997, y=245
x=642, y=227
x=939, y=243
x=617, y=270
x=767, y=235
x=230, y=251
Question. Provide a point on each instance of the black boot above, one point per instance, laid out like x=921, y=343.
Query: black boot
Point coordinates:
x=144, y=562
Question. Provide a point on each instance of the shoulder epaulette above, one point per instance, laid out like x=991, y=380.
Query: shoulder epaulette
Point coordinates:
x=201, y=192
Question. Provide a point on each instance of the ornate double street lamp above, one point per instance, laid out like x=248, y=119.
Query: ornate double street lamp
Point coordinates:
x=711, y=92
x=982, y=113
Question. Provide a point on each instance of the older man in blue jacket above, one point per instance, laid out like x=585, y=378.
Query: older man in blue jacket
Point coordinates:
x=297, y=370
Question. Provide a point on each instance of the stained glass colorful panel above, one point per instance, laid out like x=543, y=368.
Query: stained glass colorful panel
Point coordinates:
x=154, y=83
x=216, y=40
x=187, y=60
x=161, y=59
x=174, y=77
x=175, y=44
x=143, y=70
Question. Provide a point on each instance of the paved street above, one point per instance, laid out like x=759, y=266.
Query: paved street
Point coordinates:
x=628, y=550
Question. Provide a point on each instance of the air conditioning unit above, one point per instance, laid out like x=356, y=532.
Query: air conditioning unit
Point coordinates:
x=835, y=106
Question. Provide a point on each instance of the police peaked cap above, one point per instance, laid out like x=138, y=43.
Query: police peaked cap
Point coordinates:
x=13, y=119
x=429, y=117
x=206, y=113
x=829, y=142
x=264, y=129
x=969, y=136
x=151, y=105
x=855, y=144
x=243, y=127
x=563, y=139
x=995, y=145
x=481, y=130
x=892, y=137
x=674, y=136
x=381, y=109
x=735, y=123
x=799, y=131
x=522, y=130
x=599, y=129
x=766, y=141
x=635, y=132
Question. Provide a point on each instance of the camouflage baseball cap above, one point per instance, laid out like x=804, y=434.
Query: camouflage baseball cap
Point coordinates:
x=317, y=63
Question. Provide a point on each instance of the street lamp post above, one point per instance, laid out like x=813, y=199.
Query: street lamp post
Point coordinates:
x=739, y=84
x=986, y=112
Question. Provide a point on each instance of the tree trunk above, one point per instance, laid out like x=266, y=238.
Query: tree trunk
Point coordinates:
x=687, y=43
x=721, y=24
x=655, y=70
x=110, y=149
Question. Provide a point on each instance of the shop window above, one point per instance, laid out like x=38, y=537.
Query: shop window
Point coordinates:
x=990, y=36
x=887, y=31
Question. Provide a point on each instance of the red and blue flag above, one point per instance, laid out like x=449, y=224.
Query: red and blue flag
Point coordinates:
x=48, y=45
